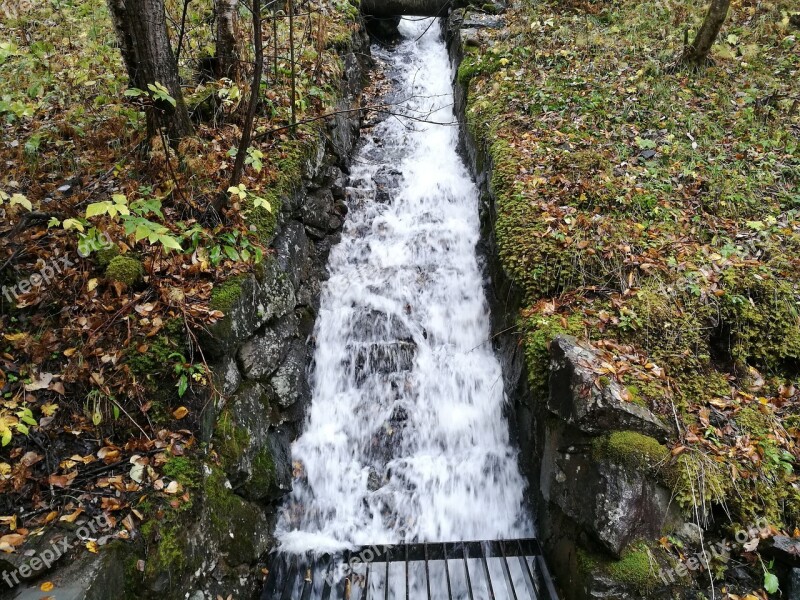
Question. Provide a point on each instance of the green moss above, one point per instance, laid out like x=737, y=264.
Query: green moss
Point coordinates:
x=230, y=517
x=698, y=480
x=636, y=396
x=752, y=421
x=265, y=221
x=230, y=439
x=184, y=470
x=125, y=269
x=156, y=359
x=635, y=568
x=224, y=295
x=170, y=549
x=263, y=472
x=759, y=321
x=539, y=332
x=633, y=450
x=104, y=256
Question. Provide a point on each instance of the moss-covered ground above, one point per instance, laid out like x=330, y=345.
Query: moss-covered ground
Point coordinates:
x=654, y=211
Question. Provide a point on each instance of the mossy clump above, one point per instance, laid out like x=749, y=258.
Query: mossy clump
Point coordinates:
x=155, y=358
x=104, y=256
x=540, y=330
x=231, y=517
x=262, y=472
x=224, y=295
x=125, y=269
x=759, y=320
x=636, y=568
x=698, y=480
x=230, y=440
x=630, y=449
x=184, y=470
x=752, y=421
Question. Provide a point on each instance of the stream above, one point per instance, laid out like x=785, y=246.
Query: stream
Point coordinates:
x=406, y=439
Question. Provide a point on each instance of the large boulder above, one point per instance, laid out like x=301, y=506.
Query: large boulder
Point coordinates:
x=580, y=396
x=247, y=303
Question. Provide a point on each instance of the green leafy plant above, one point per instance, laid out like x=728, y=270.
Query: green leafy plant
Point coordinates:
x=771, y=584
x=241, y=192
x=233, y=245
x=15, y=200
x=155, y=92
x=16, y=421
x=133, y=217
x=187, y=372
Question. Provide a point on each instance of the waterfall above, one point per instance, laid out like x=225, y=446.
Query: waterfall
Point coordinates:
x=406, y=438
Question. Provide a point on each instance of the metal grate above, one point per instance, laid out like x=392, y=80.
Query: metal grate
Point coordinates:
x=483, y=570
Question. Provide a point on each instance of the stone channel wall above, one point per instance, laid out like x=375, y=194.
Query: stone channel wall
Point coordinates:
x=591, y=504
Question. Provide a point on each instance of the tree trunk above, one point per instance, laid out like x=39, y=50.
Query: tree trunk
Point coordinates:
x=227, y=59
x=141, y=29
x=393, y=8
x=697, y=52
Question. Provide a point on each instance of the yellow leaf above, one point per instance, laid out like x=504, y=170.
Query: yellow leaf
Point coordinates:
x=91, y=546
x=49, y=409
x=71, y=518
x=180, y=412
x=70, y=351
x=92, y=284
x=46, y=586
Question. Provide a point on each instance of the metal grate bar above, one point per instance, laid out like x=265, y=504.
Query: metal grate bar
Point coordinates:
x=356, y=573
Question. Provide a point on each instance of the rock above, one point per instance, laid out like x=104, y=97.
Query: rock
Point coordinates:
x=784, y=549
x=264, y=352
x=575, y=398
x=227, y=376
x=280, y=448
x=383, y=29
x=87, y=576
x=613, y=504
x=793, y=593
x=387, y=181
x=375, y=325
x=317, y=212
x=289, y=382
x=690, y=533
x=381, y=358
x=248, y=303
x=292, y=252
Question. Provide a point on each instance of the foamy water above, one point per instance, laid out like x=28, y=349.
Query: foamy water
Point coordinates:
x=406, y=439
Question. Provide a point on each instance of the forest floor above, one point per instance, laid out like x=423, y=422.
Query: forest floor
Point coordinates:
x=108, y=256
x=654, y=211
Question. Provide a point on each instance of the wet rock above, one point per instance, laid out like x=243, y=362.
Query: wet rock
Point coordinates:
x=784, y=549
x=263, y=353
x=374, y=481
x=248, y=304
x=575, y=397
x=382, y=358
x=610, y=502
x=289, y=382
x=793, y=593
x=387, y=181
x=375, y=325
x=86, y=577
x=292, y=252
x=280, y=449
x=317, y=212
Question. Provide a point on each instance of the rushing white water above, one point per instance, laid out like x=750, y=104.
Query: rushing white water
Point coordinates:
x=406, y=438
